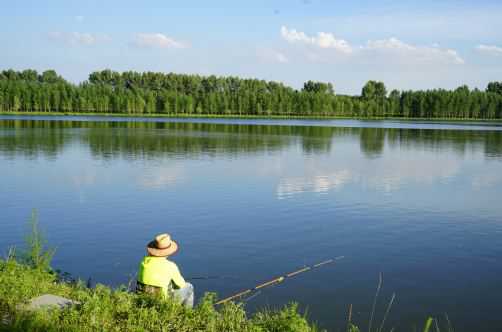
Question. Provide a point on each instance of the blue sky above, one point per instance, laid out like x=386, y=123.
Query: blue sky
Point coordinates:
x=406, y=44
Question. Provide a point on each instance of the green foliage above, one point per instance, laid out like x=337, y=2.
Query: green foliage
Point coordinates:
x=37, y=255
x=318, y=87
x=104, y=309
x=494, y=87
x=287, y=319
x=374, y=90
x=157, y=93
x=428, y=324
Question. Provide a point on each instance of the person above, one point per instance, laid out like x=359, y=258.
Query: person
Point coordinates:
x=157, y=274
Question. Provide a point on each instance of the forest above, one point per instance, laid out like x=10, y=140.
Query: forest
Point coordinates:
x=134, y=93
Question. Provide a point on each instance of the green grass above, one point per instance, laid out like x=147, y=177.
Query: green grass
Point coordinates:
x=250, y=116
x=105, y=309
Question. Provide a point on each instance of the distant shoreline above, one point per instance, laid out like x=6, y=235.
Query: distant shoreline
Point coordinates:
x=250, y=116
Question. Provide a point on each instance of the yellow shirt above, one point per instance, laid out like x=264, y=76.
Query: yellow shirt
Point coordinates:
x=159, y=272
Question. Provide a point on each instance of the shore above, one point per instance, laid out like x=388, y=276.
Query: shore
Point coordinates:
x=249, y=116
x=105, y=309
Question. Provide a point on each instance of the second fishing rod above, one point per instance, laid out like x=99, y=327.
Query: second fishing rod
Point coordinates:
x=277, y=280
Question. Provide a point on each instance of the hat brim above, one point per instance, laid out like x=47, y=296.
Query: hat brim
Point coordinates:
x=154, y=251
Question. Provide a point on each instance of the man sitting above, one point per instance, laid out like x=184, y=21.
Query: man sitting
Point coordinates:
x=157, y=274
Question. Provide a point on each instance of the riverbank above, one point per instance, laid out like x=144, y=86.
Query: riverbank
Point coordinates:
x=247, y=116
x=105, y=309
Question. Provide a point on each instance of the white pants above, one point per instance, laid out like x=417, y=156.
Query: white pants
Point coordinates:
x=185, y=295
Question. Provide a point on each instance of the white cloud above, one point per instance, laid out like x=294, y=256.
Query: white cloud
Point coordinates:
x=414, y=53
x=391, y=46
x=78, y=38
x=156, y=40
x=491, y=49
x=293, y=36
x=316, y=184
x=322, y=40
x=388, y=44
x=161, y=177
x=386, y=175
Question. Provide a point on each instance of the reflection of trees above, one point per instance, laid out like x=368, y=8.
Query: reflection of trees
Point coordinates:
x=460, y=141
x=493, y=145
x=30, y=138
x=316, y=139
x=372, y=141
x=182, y=139
x=195, y=139
x=136, y=139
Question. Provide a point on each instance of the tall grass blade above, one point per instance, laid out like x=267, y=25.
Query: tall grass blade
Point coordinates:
x=380, y=280
x=11, y=254
x=428, y=324
x=450, y=327
x=436, y=325
x=389, y=306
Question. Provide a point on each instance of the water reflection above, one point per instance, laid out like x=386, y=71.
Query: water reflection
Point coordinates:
x=383, y=175
x=372, y=141
x=319, y=183
x=162, y=177
x=149, y=140
x=419, y=204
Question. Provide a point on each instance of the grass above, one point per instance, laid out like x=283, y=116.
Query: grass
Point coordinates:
x=28, y=274
x=105, y=309
x=250, y=116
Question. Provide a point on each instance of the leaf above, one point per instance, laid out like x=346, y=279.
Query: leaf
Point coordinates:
x=428, y=324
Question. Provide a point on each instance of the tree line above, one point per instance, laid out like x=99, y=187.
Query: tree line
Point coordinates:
x=159, y=93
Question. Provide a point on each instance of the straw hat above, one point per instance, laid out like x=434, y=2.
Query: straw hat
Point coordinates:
x=162, y=246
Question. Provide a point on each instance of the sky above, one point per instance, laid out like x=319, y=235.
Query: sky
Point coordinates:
x=406, y=44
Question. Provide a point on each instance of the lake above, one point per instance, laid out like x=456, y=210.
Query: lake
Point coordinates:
x=248, y=200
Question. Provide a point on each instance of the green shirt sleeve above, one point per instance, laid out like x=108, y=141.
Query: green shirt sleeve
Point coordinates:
x=176, y=276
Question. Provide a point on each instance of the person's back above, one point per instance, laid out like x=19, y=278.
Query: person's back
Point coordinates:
x=157, y=274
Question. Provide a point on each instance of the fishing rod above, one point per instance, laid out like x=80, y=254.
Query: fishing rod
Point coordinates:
x=278, y=280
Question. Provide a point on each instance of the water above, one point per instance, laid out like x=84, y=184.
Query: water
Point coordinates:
x=250, y=200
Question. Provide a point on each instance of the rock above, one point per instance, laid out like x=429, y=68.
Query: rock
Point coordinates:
x=49, y=300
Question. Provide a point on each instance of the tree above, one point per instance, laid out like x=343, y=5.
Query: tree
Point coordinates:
x=49, y=76
x=494, y=87
x=374, y=90
x=318, y=87
x=394, y=105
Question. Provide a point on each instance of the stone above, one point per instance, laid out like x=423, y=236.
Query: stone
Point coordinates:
x=49, y=300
